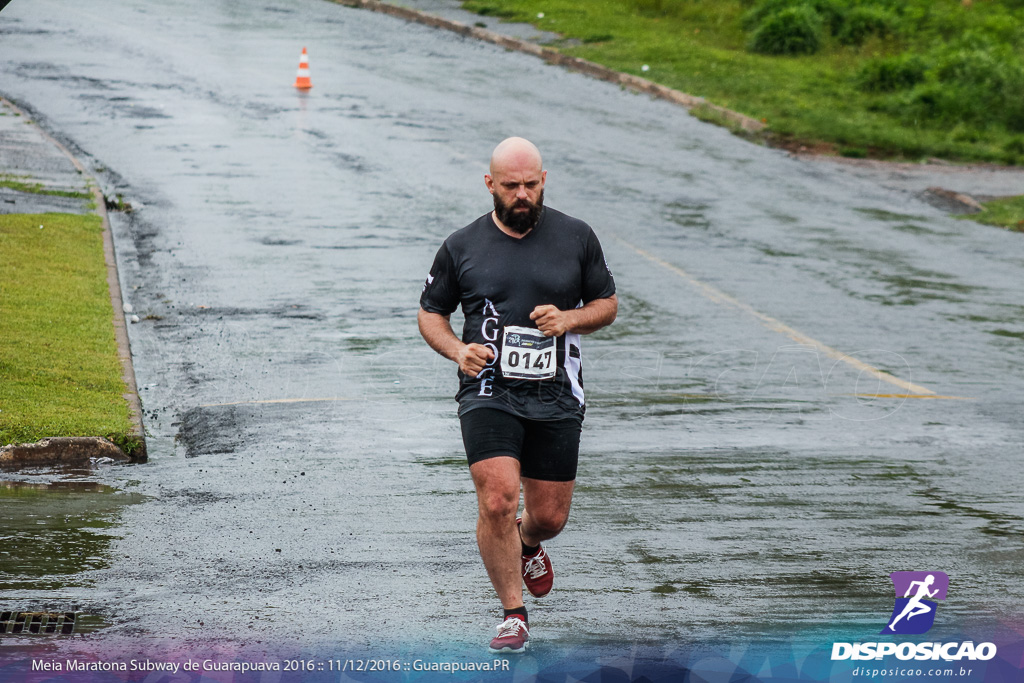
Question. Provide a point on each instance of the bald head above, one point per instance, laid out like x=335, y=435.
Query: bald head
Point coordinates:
x=516, y=181
x=515, y=153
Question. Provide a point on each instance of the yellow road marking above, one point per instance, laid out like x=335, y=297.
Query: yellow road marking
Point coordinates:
x=720, y=297
x=935, y=396
x=276, y=400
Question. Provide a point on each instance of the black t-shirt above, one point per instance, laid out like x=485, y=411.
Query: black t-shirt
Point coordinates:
x=499, y=280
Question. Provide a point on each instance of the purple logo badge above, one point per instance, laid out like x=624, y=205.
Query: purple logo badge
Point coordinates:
x=916, y=593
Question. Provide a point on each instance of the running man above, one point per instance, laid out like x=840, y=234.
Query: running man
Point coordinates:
x=530, y=281
x=914, y=605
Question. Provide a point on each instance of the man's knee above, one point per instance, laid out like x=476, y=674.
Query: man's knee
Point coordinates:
x=498, y=504
x=548, y=522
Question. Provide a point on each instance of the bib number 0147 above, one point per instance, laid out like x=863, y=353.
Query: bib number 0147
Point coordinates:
x=527, y=354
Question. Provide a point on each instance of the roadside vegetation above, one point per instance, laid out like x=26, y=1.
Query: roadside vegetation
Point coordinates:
x=892, y=79
x=23, y=183
x=1007, y=212
x=59, y=369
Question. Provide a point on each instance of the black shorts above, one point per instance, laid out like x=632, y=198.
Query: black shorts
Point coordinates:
x=545, y=449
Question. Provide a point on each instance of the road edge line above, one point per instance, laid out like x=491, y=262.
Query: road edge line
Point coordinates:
x=718, y=296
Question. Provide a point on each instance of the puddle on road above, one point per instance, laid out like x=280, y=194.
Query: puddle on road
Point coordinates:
x=687, y=215
x=455, y=461
x=995, y=523
x=53, y=536
x=913, y=287
x=661, y=398
x=710, y=405
x=776, y=253
x=636, y=317
x=1003, y=319
x=1007, y=333
x=898, y=283
x=915, y=229
x=358, y=344
x=890, y=216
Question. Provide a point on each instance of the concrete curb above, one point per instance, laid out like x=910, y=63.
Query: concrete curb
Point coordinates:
x=72, y=450
x=552, y=56
x=62, y=450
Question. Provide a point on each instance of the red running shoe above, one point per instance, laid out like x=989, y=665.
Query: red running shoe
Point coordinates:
x=513, y=636
x=537, y=572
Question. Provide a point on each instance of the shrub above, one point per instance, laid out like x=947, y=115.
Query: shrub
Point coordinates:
x=890, y=74
x=976, y=62
x=831, y=12
x=986, y=82
x=862, y=22
x=753, y=17
x=651, y=8
x=962, y=132
x=993, y=101
x=1002, y=27
x=927, y=103
x=791, y=31
x=972, y=82
x=1015, y=146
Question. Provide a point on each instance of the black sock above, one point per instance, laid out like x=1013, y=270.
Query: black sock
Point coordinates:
x=527, y=550
x=517, y=610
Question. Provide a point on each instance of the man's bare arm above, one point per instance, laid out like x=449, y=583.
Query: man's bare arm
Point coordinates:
x=437, y=331
x=589, y=318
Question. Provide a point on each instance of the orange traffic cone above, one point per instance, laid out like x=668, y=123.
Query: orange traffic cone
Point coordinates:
x=302, y=81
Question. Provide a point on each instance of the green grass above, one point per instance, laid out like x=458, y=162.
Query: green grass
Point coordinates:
x=59, y=369
x=1006, y=213
x=19, y=183
x=703, y=47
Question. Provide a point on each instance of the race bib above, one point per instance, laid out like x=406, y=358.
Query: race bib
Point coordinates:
x=527, y=354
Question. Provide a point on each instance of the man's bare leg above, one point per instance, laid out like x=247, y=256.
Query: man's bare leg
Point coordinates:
x=497, y=493
x=545, y=510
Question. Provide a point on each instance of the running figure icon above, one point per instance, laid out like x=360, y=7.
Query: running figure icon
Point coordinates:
x=915, y=607
x=917, y=595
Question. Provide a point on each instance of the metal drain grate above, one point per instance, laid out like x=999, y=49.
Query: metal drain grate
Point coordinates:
x=37, y=622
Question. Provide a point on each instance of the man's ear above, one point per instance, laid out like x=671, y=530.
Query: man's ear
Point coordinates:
x=489, y=182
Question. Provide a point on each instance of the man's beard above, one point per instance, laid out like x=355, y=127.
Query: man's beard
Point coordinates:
x=519, y=222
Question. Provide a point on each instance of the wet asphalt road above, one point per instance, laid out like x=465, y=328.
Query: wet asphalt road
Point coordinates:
x=306, y=485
